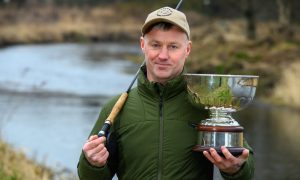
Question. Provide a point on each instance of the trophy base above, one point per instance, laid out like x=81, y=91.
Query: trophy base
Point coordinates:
x=216, y=136
x=235, y=151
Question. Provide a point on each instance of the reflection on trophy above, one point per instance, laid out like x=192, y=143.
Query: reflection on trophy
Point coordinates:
x=221, y=95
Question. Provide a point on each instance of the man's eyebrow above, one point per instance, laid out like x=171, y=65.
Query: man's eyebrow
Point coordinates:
x=157, y=41
x=153, y=41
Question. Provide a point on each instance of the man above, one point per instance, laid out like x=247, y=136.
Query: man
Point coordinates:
x=152, y=137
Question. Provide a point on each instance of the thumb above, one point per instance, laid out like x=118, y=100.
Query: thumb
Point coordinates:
x=245, y=154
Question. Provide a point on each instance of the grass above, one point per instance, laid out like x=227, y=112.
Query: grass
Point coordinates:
x=15, y=166
x=4, y=176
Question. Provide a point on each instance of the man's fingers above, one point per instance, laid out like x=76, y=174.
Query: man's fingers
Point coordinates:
x=97, y=155
x=105, y=154
x=227, y=163
x=93, y=142
x=93, y=137
x=227, y=153
x=208, y=156
x=213, y=156
x=96, y=150
x=218, y=159
x=245, y=154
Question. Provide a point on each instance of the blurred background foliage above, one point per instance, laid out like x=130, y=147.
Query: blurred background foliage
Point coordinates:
x=237, y=37
x=284, y=10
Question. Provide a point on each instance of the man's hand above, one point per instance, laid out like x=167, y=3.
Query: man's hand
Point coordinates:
x=228, y=164
x=95, y=151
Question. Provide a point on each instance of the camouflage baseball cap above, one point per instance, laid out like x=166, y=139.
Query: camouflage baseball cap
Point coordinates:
x=167, y=14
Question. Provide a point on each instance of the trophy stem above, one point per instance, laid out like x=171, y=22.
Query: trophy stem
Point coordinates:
x=220, y=116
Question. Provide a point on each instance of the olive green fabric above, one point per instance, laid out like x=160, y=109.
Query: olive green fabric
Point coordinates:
x=154, y=137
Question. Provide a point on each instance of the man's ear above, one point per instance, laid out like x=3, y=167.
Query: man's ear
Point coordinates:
x=142, y=43
x=188, y=48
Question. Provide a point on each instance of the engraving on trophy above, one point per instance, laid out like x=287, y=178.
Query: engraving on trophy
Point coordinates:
x=221, y=95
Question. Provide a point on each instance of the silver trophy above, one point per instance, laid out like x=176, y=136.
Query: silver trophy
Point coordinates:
x=221, y=95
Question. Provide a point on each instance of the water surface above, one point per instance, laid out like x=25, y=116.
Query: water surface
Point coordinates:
x=51, y=95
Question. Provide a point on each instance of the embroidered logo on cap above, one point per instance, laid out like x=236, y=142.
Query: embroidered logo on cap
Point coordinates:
x=164, y=11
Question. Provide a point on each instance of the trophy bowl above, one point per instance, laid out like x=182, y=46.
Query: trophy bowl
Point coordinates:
x=221, y=95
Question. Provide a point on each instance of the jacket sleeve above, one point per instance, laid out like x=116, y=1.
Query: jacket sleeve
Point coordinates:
x=247, y=170
x=88, y=172
x=85, y=170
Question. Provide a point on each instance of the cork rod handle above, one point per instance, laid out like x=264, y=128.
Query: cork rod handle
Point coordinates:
x=117, y=107
x=113, y=114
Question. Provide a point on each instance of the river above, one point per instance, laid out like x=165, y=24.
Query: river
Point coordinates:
x=51, y=95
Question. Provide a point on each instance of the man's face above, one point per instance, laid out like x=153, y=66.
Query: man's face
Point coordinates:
x=165, y=53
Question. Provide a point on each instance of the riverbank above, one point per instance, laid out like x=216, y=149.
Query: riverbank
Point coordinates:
x=66, y=24
x=219, y=45
x=15, y=166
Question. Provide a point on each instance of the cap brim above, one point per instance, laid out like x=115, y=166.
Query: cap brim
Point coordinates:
x=158, y=20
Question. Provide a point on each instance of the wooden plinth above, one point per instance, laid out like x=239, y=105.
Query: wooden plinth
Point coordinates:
x=236, y=151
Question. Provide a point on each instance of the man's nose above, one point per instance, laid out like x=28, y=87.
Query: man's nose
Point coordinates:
x=164, y=53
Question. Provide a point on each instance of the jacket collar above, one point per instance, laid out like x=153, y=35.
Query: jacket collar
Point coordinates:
x=154, y=89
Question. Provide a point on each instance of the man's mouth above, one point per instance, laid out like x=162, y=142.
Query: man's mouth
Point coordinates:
x=162, y=65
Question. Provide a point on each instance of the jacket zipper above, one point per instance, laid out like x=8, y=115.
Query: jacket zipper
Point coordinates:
x=161, y=135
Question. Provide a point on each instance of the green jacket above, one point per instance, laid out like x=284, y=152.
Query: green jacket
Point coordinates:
x=153, y=137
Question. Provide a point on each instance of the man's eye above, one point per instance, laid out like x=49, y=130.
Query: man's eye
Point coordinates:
x=173, y=47
x=155, y=45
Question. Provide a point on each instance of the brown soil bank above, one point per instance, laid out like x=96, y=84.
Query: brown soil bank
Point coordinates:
x=219, y=46
x=52, y=24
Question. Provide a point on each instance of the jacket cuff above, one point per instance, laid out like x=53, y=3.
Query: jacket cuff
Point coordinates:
x=244, y=173
x=86, y=171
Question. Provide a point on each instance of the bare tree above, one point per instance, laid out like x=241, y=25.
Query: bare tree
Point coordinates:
x=284, y=12
x=250, y=18
x=284, y=18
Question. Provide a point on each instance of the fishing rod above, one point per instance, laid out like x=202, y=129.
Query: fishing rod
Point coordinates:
x=122, y=99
